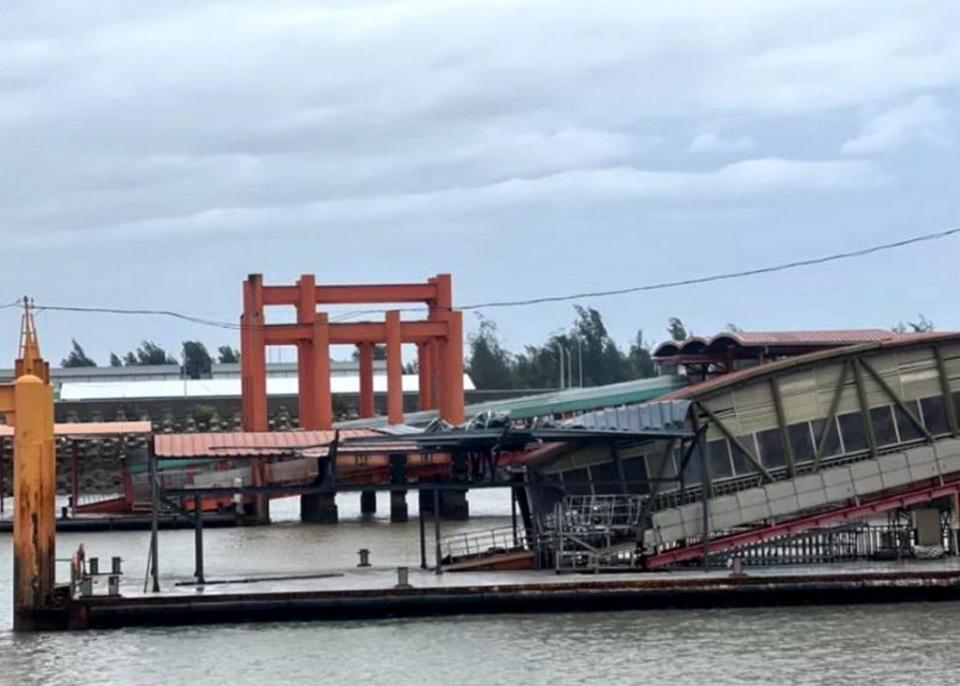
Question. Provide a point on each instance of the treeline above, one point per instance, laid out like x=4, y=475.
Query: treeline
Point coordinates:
x=195, y=359
x=590, y=356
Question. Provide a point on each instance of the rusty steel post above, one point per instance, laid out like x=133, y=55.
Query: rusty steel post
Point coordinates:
x=394, y=369
x=365, y=355
x=34, y=525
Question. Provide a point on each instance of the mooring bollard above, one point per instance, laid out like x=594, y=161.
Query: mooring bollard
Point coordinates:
x=94, y=566
x=364, y=557
x=115, y=563
x=403, y=577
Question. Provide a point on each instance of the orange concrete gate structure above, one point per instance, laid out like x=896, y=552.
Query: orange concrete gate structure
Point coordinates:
x=438, y=338
x=439, y=341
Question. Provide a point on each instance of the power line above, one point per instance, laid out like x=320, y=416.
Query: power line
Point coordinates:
x=723, y=277
x=726, y=276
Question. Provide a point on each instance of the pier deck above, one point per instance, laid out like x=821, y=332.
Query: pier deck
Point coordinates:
x=370, y=594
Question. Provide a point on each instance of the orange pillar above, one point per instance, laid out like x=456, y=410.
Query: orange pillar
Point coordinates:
x=306, y=368
x=394, y=368
x=425, y=370
x=255, y=362
x=366, y=379
x=323, y=400
x=435, y=369
x=453, y=369
x=34, y=535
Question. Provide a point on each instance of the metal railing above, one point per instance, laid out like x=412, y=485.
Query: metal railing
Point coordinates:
x=474, y=544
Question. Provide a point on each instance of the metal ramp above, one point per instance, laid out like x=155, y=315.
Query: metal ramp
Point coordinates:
x=858, y=511
x=832, y=487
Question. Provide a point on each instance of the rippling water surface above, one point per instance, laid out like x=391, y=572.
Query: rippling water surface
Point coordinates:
x=905, y=644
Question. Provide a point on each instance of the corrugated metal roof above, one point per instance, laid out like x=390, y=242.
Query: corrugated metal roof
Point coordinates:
x=655, y=416
x=720, y=383
x=242, y=443
x=774, y=339
x=556, y=402
x=219, y=388
x=92, y=429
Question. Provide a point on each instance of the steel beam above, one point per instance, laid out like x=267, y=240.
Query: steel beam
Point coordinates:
x=782, y=425
x=911, y=415
x=949, y=407
x=831, y=422
x=864, y=406
x=717, y=422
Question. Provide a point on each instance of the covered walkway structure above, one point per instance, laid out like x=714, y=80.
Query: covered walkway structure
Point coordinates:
x=835, y=436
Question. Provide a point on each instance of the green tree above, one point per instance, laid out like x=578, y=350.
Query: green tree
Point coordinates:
x=489, y=365
x=115, y=360
x=197, y=362
x=77, y=357
x=148, y=354
x=641, y=360
x=590, y=343
x=228, y=355
x=922, y=325
x=678, y=332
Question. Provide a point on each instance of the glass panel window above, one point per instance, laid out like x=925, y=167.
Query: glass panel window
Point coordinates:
x=907, y=429
x=606, y=478
x=883, y=427
x=577, y=482
x=832, y=447
x=771, y=449
x=693, y=474
x=719, y=455
x=741, y=463
x=636, y=475
x=801, y=442
x=935, y=415
x=655, y=464
x=853, y=432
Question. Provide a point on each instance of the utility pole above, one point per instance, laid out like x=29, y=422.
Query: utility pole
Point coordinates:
x=560, y=352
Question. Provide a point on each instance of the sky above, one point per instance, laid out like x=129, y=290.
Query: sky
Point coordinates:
x=152, y=154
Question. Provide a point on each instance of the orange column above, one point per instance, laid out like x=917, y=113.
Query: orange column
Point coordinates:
x=306, y=355
x=323, y=400
x=255, y=364
x=366, y=379
x=435, y=368
x=453, y=369
x=425, y=371
x=34, y=536
x=394, y=369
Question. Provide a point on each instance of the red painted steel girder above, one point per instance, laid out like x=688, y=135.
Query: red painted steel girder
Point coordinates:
x=355, y=333
x=802, y=524
x=365, y=294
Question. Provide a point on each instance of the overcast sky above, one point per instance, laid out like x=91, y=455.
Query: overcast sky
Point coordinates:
x=154, y=153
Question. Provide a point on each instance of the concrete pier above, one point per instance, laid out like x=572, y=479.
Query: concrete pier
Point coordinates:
x=371, y=593
x=453, y=504
x=368, y=502
x=398, y=507
x=319, y=508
